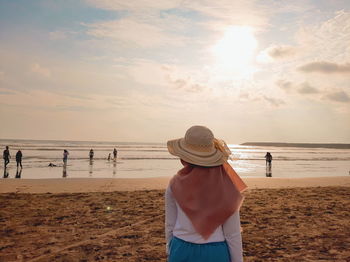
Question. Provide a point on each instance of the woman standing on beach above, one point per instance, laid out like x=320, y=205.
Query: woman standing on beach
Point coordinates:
x=202, y=201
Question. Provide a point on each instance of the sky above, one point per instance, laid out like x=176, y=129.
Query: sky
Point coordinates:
x=146, y=71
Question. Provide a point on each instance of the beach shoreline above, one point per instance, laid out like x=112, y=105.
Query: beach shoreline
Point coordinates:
x=84, y=185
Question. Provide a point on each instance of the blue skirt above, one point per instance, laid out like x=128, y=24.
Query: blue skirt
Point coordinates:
x=183, y=251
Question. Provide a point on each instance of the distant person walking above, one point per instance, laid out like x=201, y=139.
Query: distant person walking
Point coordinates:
x=115, y=153
x=268, y=158
x=19, y=158
x=6, y=156
x=91, y=154
x=65, y=156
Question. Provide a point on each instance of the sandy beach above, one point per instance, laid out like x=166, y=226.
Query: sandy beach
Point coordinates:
x=123, y=219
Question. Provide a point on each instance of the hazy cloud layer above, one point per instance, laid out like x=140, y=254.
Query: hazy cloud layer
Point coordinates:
x=112, y=67
x=124, y=31
x=325, y=68
x=284, y=84
x=186, y=85
x=134, y=5
x=301, y=88
x=277, y=52
x=40, y=70
x=248, y=12
x=338, y=96
x=306, y=88
x=328, y=40
x=274, y=101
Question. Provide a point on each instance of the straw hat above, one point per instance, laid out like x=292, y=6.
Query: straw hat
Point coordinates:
x=199, y=147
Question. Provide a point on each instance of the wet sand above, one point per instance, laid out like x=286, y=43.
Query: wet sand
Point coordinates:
x=82, y=185
x=279, y=224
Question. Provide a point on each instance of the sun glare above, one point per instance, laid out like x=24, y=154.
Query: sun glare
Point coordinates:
x=235, y=51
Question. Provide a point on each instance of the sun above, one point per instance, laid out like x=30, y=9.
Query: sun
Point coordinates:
x=234, y=53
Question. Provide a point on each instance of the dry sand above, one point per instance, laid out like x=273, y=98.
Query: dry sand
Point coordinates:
x=288, y=223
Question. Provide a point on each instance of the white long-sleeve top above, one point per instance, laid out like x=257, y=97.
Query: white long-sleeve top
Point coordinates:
x=179, y=225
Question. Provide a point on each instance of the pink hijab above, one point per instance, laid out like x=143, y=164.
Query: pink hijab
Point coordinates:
x=207, y=195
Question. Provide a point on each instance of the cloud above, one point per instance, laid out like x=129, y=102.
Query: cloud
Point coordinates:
x=324, y=67
x=281, y=51
x=328, y=40
x=55, y=101
x=132, y=32
x=40, y=70
x=232, y=12
x=306, y=88
x=186, y=85
x=134, y=5
x=284, y=84
x=2, y=75
x=142, y=71
x=338, y=96
x=228, y=12
x=160, y=75
x=274, y=101
x=244, y=96
x=276, y=52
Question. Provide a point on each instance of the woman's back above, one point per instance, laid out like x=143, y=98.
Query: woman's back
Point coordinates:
x=202, y=201
x=180, y=226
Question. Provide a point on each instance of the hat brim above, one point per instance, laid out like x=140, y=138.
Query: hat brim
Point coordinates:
x=214, y=157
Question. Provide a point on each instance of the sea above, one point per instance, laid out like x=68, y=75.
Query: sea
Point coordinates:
x=145, y=160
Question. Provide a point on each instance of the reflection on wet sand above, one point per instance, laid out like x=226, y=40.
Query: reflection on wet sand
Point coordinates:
x=114, y=167
x=64, y=173
x=6, y=172
x=91, y=163
x=268, y=171
x=18, y=173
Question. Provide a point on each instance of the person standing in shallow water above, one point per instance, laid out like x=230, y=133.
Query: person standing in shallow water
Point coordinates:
x=65, y=156
x=268, y=158
x=19, y=158
x=91, y=154
x=202, y=201
x=115, y=152
x=6, y=156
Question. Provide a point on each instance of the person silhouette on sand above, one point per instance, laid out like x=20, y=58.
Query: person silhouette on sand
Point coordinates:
x=65, y=156
x=268, y=158
x=91, y=154
x=115, y=153
x=19, y=158
x=6, y=156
